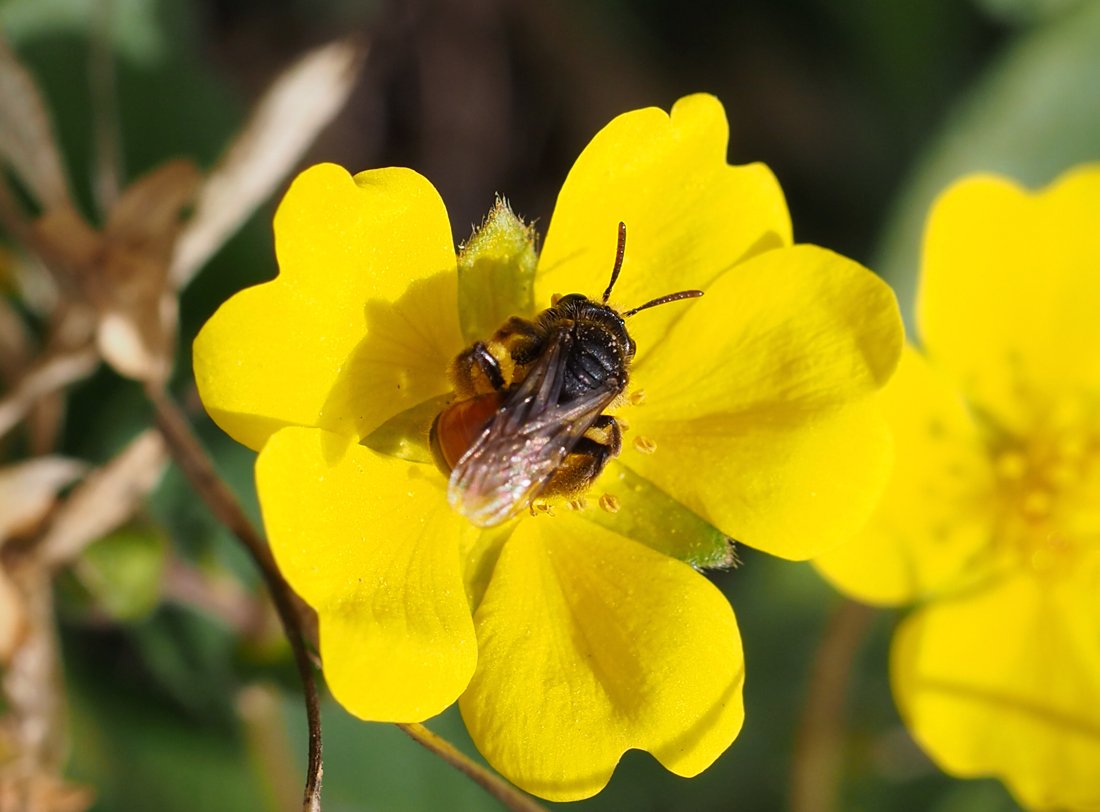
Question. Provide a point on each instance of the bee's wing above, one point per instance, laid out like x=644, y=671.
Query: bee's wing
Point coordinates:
x=526, y=441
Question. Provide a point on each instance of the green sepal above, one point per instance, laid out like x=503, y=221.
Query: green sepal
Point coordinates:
x=649, y=515
x=405, y=435
x=496, y=272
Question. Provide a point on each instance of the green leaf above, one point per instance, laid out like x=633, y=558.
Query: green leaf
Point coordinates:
x=1033, y=115
x=135, y=29
x=122, y=572
x=406, y=435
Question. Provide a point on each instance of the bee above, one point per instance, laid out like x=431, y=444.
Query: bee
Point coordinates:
x=529, y=422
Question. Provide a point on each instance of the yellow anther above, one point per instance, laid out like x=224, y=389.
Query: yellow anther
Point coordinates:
x=580, y=503
x=610, y=503
x=644, y=445
x=637, y=397
x=541, y=506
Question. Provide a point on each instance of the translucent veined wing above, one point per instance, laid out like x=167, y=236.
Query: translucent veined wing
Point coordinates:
x=526, y=440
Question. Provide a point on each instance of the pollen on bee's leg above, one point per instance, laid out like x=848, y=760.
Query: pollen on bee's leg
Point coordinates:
x=610, y=503
x=644, y=444
x=637, y=397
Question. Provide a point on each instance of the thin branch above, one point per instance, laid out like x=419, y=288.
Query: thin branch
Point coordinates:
x=820, y=746
x=196, y=465
x=14, y=221
x=192, y=459
x=27, y=142
x=107, y=178
x=32, y=689
x=106, y=499
x=268, y=744
x=51, y=374
x=220, y=597
x=15, y=344
x=300, y=102
x=29, y=490
x=490, y=782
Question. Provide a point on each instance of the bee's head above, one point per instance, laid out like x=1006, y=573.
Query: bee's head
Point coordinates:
x=580, y=309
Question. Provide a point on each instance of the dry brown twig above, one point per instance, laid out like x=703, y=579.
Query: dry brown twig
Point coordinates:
x=120, y=274
x=819, y=749
x=120, y=286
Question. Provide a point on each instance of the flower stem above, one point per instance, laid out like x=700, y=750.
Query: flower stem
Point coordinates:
x=296, y=618
x=493, y=784
x=819, y=747
x=199, y=470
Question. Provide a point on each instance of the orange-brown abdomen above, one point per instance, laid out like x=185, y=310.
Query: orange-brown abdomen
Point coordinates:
x=458, y=426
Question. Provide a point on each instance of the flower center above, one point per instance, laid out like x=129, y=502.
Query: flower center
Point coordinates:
x=1049, y=488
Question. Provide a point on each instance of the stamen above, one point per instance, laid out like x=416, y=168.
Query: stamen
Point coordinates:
x=580, y=503
x=541, y=506
x=610, y=503
x=644, y=445
x=637, y=397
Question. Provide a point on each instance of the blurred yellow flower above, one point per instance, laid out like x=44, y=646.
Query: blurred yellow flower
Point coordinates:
x=992, y=519
x=573, y=637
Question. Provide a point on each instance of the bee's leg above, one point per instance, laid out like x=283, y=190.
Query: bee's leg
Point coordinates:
x=523, y=338
x=577, y=472
x=474, y=367
x=605, y=433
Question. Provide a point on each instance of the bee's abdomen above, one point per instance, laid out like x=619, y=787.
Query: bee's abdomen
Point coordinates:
x=458, y=426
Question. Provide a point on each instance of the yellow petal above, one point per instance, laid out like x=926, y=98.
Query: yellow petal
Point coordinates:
x=759, y=401
x=371, y=544
x=361, y=322
x=937, y=514
x=689, y=215
x=592, y=644
x=1006, y=681
x=1009, y=290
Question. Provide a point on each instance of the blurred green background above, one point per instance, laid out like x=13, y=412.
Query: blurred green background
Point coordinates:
x=864, y=109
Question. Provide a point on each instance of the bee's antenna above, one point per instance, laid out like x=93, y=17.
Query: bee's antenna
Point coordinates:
x=671, y=297
x=619, y=252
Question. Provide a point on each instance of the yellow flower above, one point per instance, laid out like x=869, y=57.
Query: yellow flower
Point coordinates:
x=573, y=637
x=992, y=519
